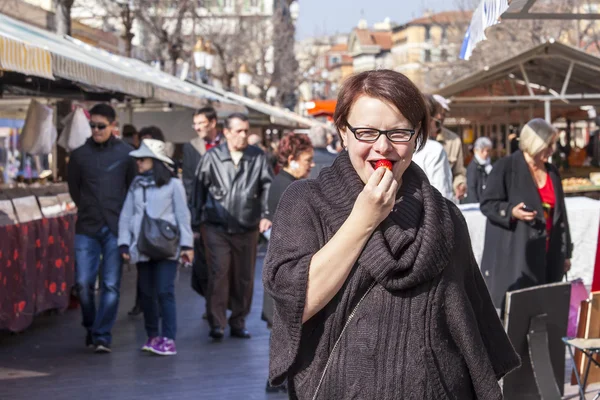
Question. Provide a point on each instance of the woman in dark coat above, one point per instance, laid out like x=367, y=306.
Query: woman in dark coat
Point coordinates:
x=376, y=290
x=529, y=246
x=295, y=158
x=478, y=170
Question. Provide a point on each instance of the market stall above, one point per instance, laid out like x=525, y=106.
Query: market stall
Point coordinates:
x=39, y=70
x=37, y=268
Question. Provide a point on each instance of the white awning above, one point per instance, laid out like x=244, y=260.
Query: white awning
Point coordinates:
x=166, y=87
x=69, y=62
x=32, y=51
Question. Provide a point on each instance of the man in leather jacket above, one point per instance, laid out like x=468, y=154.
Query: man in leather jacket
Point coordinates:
x=229, y=208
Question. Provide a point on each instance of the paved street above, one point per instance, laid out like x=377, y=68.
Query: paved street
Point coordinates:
x=49, y=360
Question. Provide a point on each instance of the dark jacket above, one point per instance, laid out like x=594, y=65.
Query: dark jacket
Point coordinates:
x=191, y=158
x=476, y=181
x=514, y=255
x=426, y=330
x=322, y=158
x=280, y=183
x=99, y=176
x=233, y=199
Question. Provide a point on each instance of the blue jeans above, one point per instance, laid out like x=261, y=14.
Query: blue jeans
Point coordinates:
x=157, y=281
x=88, y=250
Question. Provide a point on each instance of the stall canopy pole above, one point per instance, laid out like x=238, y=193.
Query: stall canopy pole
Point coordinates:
x=547, y=111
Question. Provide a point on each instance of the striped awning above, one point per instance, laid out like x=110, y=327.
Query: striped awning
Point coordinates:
x=20, y=57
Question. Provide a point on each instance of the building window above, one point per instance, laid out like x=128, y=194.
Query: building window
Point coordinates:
x=427, y=56
x=444, y=55
x=427, y=33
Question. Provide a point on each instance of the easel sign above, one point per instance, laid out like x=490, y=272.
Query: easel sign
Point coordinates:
x=536, y=320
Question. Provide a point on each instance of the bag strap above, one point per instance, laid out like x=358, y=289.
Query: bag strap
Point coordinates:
x=340, y=337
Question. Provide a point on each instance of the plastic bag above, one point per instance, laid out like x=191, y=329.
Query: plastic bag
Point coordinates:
x=76, y=130
x=578, y=294
x=39, y=132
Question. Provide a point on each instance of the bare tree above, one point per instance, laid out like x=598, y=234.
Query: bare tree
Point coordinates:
x=62, y=16
x=285, y=73
x=109, y=15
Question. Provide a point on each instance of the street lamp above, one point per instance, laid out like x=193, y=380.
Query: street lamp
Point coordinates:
x=204, y=59
x=244, y=79
x=294, y=11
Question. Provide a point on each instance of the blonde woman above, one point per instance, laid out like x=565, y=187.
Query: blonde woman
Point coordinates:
x=527, y=241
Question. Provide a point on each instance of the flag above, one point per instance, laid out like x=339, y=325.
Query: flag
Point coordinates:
x=487, y=14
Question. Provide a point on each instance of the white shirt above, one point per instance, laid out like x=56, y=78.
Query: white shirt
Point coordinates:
x=433, y=160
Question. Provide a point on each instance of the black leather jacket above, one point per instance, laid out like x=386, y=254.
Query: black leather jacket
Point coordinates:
x=229, y=197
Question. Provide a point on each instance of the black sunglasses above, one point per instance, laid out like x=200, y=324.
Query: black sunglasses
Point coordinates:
x=100, y=127
x=371, y=135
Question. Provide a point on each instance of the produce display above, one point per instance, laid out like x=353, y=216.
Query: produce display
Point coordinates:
x=576, y=182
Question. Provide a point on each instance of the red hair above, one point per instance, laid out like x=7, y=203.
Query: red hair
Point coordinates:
x=293, y=145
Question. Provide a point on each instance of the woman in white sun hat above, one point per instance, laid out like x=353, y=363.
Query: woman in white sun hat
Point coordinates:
x=155, y=232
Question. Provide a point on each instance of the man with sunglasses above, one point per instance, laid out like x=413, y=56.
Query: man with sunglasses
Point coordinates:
x=99, y=174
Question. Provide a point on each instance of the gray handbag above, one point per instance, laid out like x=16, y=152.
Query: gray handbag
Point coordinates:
x=158, y=239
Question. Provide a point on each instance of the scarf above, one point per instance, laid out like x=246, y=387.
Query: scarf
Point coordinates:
x=413, y=244
x=487, y=163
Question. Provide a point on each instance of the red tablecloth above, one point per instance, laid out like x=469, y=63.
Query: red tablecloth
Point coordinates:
x=37, y=269
x=596, y=279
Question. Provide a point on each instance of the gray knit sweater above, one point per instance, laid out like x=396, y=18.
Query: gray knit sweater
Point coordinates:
x=427, y=330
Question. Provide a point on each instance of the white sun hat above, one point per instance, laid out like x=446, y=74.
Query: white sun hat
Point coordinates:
x=444, y=102
x=152, y=148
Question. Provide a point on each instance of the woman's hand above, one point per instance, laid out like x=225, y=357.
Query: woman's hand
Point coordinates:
x=520, y=214
x=567, y=265
x=377, y=199
x=126, y=256
x=187, y=255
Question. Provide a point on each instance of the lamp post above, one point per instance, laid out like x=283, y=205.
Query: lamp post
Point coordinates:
x=244, y=79
x=204, y=59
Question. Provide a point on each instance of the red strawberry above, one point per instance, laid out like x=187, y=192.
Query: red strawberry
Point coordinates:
x=384, y=163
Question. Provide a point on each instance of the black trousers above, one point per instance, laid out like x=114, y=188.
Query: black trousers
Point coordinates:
x=231, y=260
x=199, y=268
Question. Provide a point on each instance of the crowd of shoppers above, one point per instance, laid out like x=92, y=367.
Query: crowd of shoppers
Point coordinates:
x=351, y=235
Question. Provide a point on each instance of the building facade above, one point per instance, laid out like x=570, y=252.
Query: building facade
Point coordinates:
x=431, y=42
x=371, y=48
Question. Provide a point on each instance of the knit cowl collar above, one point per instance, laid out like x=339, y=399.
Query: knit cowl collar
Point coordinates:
x=413, y=244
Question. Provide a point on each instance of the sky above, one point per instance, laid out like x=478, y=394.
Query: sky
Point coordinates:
x=326, y=17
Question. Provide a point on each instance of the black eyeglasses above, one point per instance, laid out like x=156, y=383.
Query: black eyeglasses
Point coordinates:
x=371, y=135
x=100, y=127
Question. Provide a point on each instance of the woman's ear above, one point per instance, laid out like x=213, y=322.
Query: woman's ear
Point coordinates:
x=344, y=137
x=290, y=159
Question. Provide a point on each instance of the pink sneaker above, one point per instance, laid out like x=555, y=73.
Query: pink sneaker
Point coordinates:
x=166, y=347
x=151, y=343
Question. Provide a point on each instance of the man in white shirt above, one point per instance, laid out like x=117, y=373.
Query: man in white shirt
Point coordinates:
x=432, y=159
